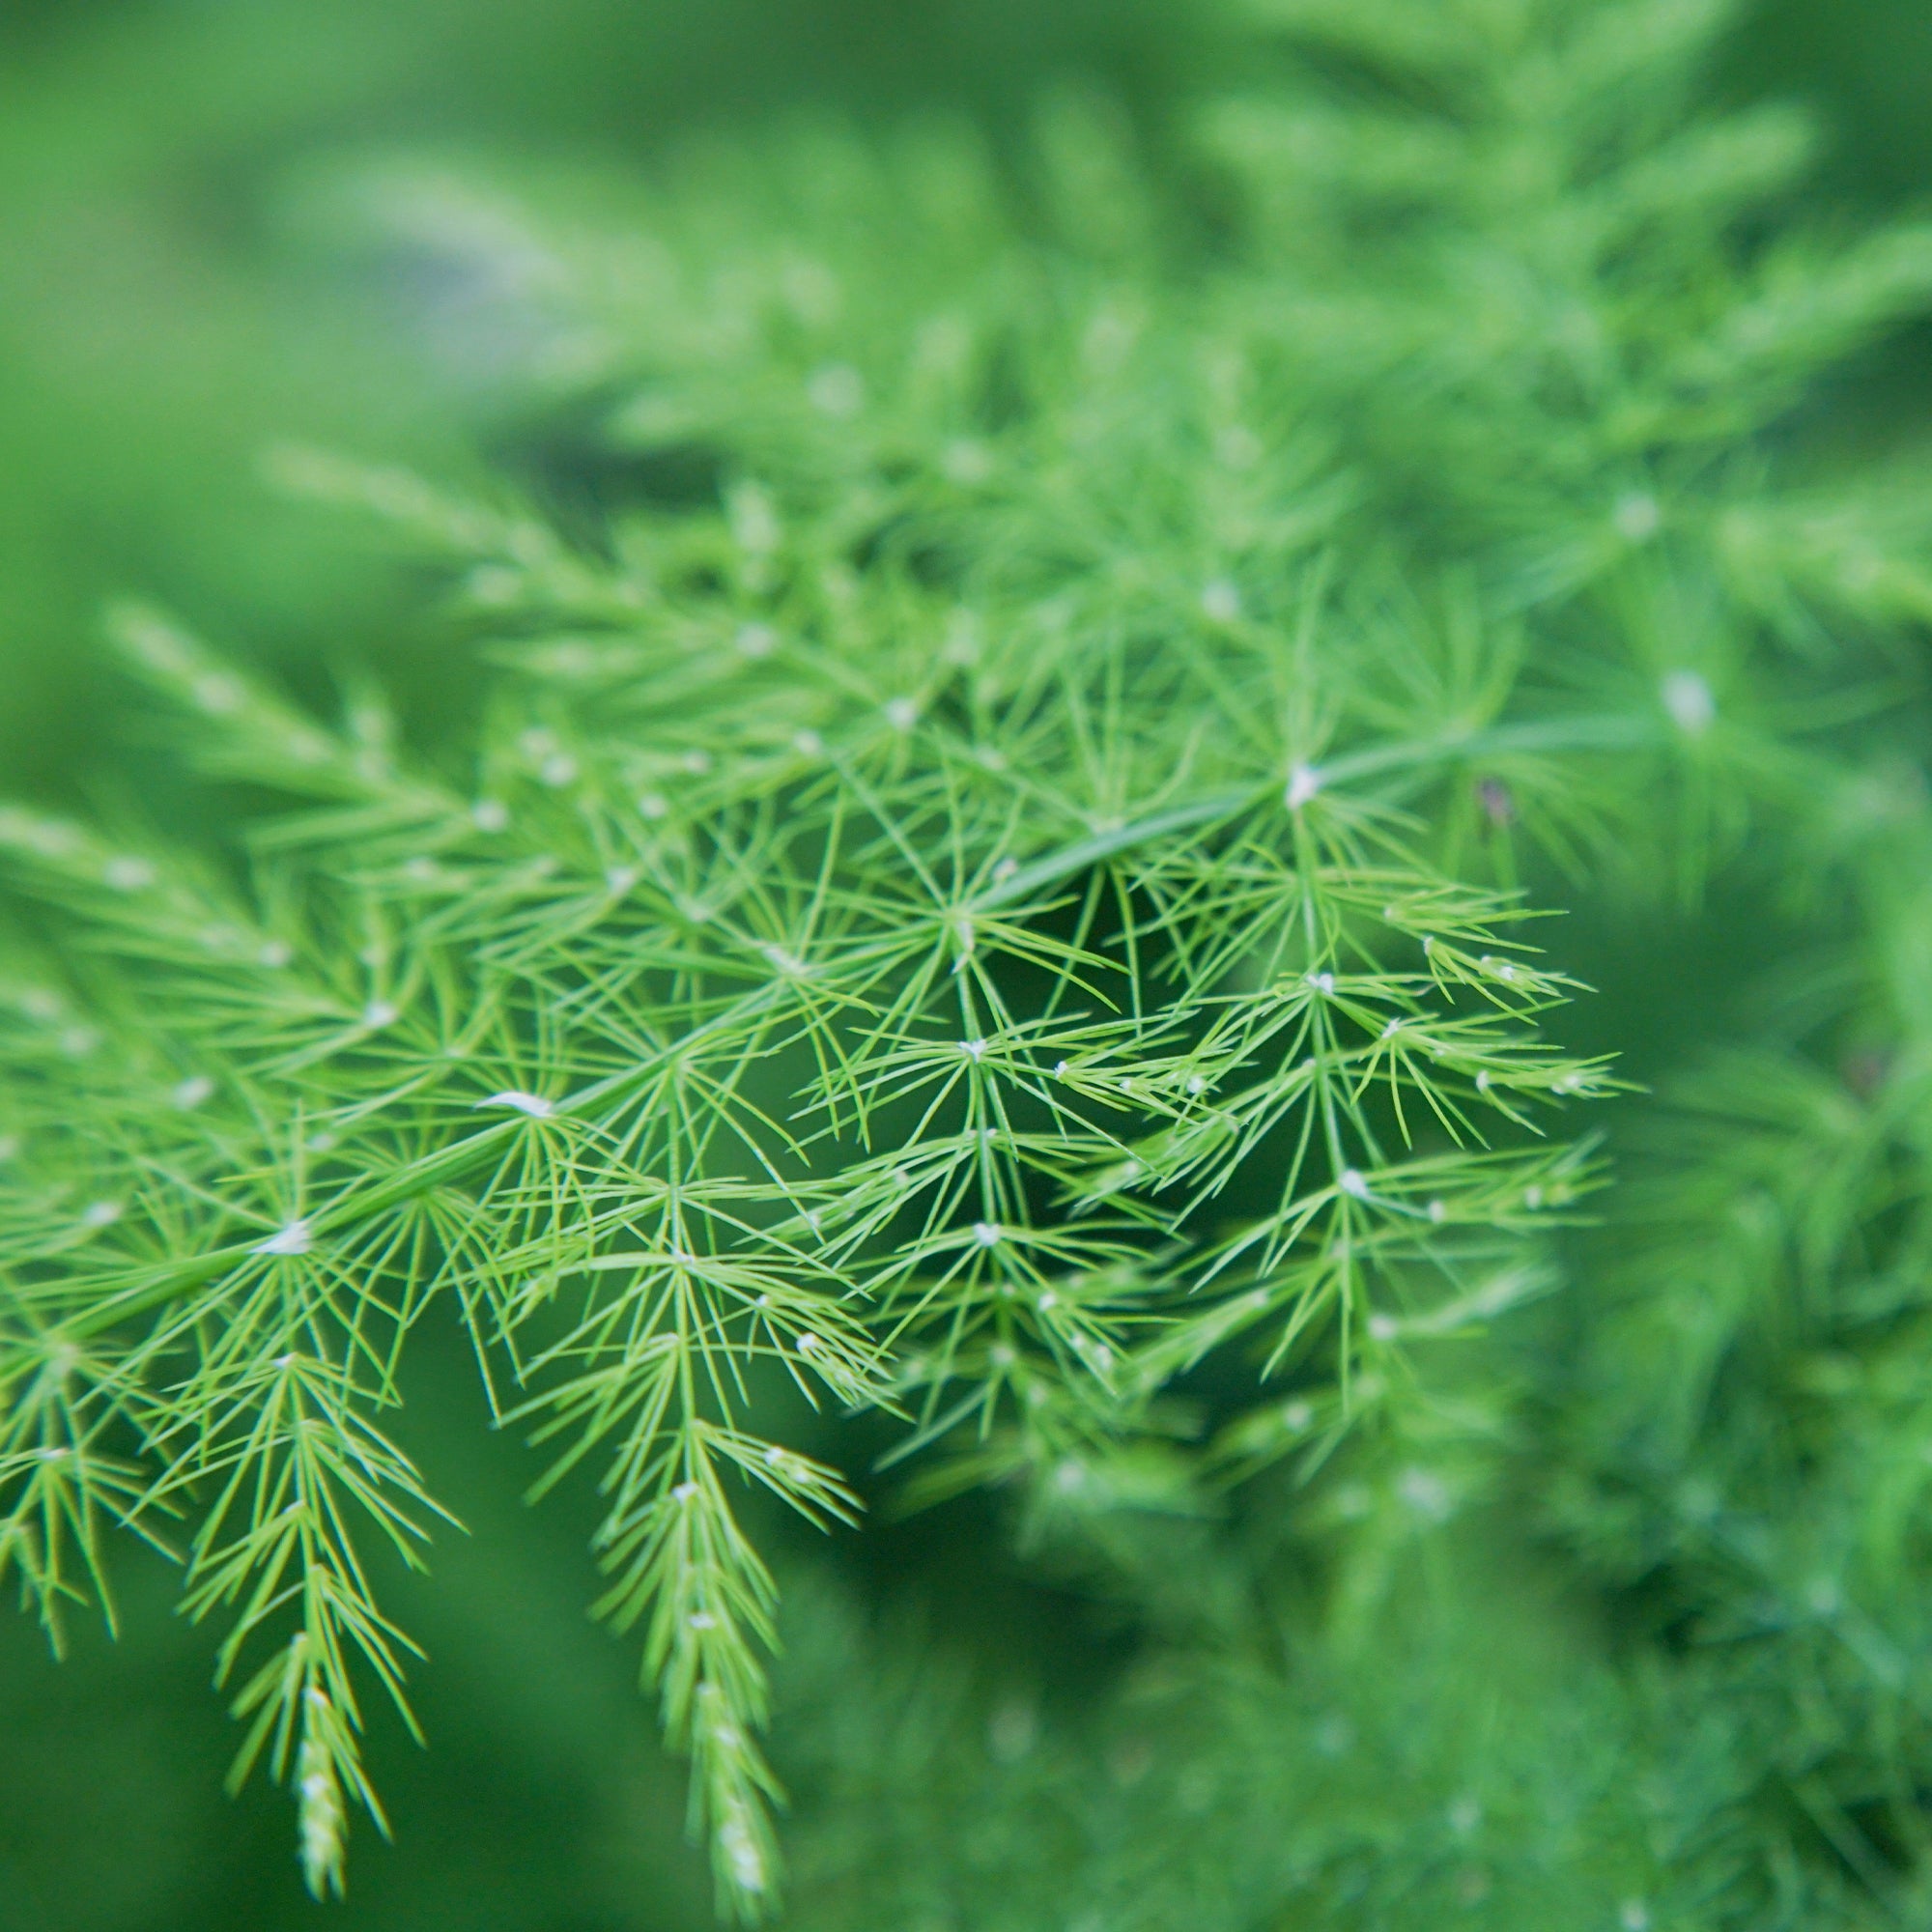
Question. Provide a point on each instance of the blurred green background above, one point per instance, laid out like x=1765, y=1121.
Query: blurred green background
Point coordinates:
x=171, y=302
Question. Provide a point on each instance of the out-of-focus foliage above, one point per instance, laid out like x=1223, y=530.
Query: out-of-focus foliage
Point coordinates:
x=936, y=579
x=166, y=307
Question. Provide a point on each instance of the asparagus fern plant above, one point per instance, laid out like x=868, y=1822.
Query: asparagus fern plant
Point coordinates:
x=1000, y=882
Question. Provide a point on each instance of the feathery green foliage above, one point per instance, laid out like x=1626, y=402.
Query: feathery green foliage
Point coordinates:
x=994, y=881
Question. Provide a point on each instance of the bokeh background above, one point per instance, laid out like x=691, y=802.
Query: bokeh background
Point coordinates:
x=177, y=292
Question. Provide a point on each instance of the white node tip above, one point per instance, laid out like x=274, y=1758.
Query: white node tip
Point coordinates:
x=1221, y=601
x=294, y=1239
x=532, y=1104
x=1690, y=702
x=1637, y=516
